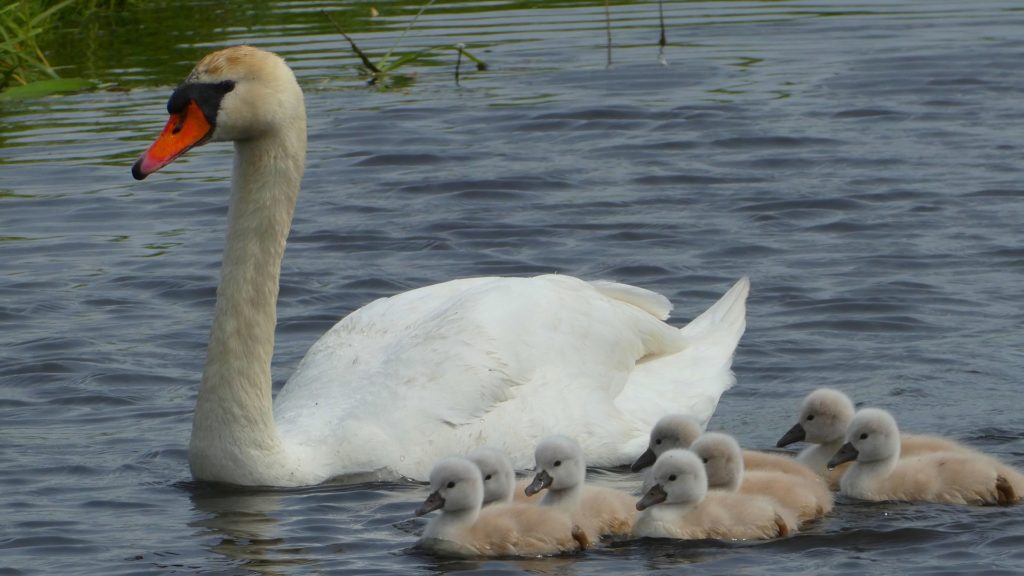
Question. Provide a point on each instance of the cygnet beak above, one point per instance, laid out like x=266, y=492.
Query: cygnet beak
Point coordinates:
x=845, y=454
x=656, y=495
x=433, y=502
x=795, y=434
x=646, y=459
x=541, y=481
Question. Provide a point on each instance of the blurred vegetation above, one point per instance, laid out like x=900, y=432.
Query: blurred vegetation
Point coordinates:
x=127, y=43
x=26, y=26
x=388, y=64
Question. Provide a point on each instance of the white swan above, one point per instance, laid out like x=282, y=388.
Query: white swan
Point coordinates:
x=439, y=370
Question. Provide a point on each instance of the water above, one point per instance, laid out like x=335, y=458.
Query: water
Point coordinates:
x=859, y=160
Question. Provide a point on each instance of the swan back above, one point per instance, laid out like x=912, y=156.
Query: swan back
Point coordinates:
x=498, y=476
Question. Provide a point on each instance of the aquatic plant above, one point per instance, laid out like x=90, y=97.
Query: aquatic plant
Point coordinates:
x=386, y=65
x=25, y=27
x=21, y=58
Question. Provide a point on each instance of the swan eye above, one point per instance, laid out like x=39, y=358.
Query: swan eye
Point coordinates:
x=810, y=417
x=558, y=463
x=451, y=484
x=658, y=441
x=672, y=478
x=864, y=436
x=488, y=477
x=705, y=460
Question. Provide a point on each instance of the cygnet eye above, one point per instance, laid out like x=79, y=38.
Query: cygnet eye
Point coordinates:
x=558, y=463
x=810, y=417
x=864, y=436
x=672, y=478
x=658, y=441
x=451, y=484
x=488, y=477
x=705, y=460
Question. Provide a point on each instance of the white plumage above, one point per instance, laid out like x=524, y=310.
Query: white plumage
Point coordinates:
x=435, y=371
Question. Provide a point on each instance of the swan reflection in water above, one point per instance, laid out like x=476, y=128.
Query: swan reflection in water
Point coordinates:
x=244, y=528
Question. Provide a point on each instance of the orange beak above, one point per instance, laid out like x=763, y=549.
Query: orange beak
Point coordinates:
x=183, y=131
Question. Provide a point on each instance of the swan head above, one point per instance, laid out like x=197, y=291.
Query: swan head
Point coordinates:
x=496, y=470
x=873, y=436
x=825, y=415
x=722, y=458
x=236, y=94
x=455, y=486
x=670, y=432
x=560, y=465
x=678, y=478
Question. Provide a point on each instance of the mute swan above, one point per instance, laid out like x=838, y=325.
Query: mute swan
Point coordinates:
x=878, y=472
x=805, y=495
x=825, y=416
x=504, y=529
x=674, y=431
x=500, y=483
x=679, y=505
x=463, y=363
x=671, y=431
x=562, y=471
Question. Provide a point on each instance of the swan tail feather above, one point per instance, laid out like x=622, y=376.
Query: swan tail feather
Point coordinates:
x=692, y=380
x=651, y=302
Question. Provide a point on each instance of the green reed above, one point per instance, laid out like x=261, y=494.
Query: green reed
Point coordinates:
x=388, y=64
x=26, y=27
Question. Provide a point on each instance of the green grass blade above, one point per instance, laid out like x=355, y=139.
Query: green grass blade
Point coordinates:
x=362, y=56
x=46, y=88
x=383, y=61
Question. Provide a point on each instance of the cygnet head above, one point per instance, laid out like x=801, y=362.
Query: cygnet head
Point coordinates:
x=236, y=94
x=824, y=416
x=560, y=465
x=496, y=470
x=873, y=436
x=455, y=486
x=670, y=432
x=722, y=458
x=679, y=478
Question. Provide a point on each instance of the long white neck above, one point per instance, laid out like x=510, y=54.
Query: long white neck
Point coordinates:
x=234, y=438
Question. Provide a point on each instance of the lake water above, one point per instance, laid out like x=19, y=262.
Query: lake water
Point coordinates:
x=861, y=161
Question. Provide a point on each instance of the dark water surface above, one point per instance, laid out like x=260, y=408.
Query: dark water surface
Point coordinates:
x=859, y=160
